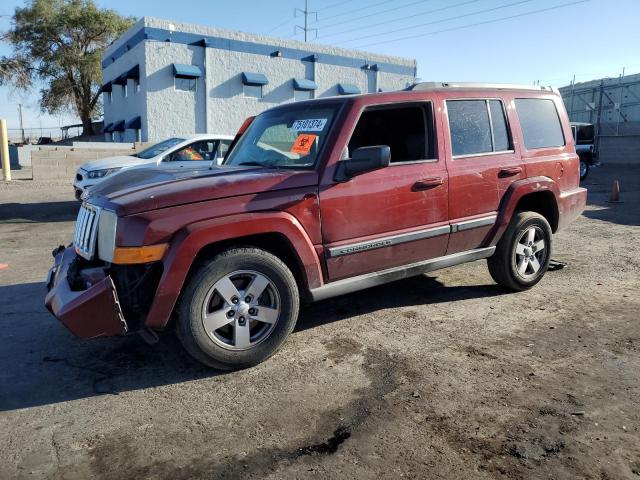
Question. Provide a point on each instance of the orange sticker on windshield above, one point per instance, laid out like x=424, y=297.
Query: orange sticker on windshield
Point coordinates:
x=303, y=143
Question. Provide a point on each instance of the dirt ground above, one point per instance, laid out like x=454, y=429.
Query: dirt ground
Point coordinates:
x=440, y=376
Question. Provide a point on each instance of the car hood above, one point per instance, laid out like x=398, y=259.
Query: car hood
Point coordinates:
x=142, y=189
x=113, y=162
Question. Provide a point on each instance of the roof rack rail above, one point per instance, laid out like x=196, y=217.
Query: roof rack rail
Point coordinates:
x=498, y=86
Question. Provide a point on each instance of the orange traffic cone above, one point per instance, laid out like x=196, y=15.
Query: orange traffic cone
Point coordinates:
x=615, y=192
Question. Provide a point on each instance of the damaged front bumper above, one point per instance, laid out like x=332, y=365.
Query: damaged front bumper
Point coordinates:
x=89, y=309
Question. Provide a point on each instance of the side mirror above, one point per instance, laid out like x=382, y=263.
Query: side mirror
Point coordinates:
x=363, y=160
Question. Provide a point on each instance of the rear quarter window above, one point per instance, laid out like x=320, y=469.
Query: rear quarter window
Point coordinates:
x=540, y=123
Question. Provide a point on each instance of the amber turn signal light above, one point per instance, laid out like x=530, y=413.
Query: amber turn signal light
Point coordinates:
x=146, y=254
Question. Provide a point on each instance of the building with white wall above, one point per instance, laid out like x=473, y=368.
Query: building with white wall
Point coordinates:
x=163, y=78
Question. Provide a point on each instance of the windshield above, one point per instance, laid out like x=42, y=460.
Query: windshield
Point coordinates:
x=158, y=148
x=289, y=137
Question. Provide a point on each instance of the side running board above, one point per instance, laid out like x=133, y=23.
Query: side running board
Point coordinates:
x=368, y=280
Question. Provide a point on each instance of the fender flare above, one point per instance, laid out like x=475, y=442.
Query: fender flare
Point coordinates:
x=512, y=196
x=187, y=243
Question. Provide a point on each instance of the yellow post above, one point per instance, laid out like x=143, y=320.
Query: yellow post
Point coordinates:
x=4, y=150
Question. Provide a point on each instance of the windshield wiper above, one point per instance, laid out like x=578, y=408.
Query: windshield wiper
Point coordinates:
x=272, y=164
x=251, y=164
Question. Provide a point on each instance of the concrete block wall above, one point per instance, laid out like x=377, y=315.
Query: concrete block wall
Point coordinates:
x=61, y=163
x=620, y=150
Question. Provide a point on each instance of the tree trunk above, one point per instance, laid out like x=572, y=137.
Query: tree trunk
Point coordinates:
x=87, y=126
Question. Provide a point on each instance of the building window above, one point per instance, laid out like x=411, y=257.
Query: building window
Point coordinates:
x=299, y=95
x=136, y=85
x=252, y=91
x=124, y=90
x=109, y=97
x=186, y=84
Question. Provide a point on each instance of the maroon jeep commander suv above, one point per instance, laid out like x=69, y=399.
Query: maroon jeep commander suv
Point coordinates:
x=316, y=199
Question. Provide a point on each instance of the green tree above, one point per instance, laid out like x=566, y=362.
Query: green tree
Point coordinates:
x=58, y=44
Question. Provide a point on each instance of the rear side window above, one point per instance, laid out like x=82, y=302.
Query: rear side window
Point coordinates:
x=477, y=126
x=499, y=123
x=407, y=130
x=540, y=123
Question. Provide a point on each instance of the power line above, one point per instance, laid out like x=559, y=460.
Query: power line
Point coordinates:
x=334, y=5
x=533, y=12
x=401, y=18
x=355, y=10
x=289, y=20
x=360, y=17
x=478, y=12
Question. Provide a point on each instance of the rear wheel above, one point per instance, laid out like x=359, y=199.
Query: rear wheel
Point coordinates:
x=238, y=309
x=584, y=169
x=522, y=255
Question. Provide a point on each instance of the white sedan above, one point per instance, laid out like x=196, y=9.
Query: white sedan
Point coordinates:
x=188, y=151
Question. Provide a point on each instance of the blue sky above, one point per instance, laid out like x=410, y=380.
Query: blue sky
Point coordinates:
x=590, y=39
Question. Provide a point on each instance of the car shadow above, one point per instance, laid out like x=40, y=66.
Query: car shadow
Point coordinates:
x=600, y=184
x=410, y=292
x=41, y=363
x=39, y=212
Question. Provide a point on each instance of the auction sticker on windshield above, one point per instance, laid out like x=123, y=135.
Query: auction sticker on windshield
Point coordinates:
x=309, y=125
x=303, y=143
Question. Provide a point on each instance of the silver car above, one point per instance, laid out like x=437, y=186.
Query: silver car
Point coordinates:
x=187, y=151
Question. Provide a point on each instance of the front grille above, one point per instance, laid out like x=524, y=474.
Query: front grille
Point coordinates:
x=85, y=236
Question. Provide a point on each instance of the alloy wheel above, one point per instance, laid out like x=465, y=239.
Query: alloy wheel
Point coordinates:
x=241, y=310
x=530, y=252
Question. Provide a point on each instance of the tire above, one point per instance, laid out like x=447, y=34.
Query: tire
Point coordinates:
x=515, y=250
x=255, y=328
x=584, y=169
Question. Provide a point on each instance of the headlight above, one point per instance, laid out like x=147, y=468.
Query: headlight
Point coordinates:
x=107, y=235
x=102, y=173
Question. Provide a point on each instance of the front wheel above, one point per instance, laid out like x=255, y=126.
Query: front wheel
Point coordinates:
x=238, y=309
x=523, y=253
x=584, y=169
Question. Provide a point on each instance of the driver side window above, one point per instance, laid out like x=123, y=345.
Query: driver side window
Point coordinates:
x=406, y=129
x=203, y=150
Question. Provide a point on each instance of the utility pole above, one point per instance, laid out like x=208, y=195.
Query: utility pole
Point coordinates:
x=21, y=126
x=4, y=151
x=306, y=14
x=573, y=86
x=598, y=123
x=620, y=103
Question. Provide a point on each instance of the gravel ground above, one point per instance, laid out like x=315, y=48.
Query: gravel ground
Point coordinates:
x=440, y=376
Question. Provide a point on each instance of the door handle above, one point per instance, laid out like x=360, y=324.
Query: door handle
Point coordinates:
x=427, y=183
x=509, y=172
